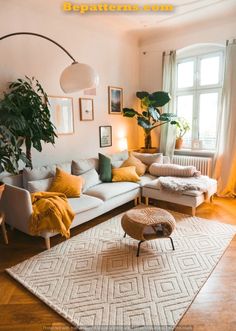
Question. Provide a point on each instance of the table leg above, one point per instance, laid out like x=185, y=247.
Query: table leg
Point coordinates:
x=172, y=243
x=139, y=244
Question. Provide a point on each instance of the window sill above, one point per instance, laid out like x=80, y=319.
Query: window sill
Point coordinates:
x=194, y=152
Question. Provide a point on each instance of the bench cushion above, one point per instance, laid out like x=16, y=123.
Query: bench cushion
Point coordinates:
x=106, y=191
x=84, y=203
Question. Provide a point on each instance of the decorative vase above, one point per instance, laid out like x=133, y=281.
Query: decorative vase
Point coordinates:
x=2, y=187
x=178, y=143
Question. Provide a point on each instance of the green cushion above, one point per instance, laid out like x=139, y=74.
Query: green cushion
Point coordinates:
x=105, y=168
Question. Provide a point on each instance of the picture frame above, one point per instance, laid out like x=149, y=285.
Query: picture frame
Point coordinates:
x=105, y=136
x=86, y=109
x=115, y=100
x=62, y=114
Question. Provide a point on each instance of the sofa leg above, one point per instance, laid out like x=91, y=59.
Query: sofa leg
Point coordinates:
x=146, y=201
x=136, y=201
x=193, y=211
x=47, y=242
x=211, y=199
x=139, y=200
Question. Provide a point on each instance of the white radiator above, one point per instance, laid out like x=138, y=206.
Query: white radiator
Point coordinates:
x=203, y=164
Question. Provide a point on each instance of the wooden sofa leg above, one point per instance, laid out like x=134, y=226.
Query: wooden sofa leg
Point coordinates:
x=211, y=199
x=139, y=200
x=136, y=201
x=146, y=201
x=47, y=242
x=193, y=211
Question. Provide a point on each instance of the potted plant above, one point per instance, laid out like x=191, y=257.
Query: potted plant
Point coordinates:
x=24, y=111
x=182, y=128
x=151, y=116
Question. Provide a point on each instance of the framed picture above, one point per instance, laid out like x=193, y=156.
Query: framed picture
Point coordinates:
x=62, y=114
x=115, y=100
x=105, y=136
x=86, y=109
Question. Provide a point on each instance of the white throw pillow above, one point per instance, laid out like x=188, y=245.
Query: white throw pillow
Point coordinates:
x=39, y=173
x=119, y=156
x=41, y=185
x=91, y=178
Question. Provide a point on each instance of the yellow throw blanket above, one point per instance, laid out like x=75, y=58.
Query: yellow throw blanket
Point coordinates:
x=51, y=212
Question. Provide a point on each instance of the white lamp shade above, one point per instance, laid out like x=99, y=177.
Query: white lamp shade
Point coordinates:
x=78, y=76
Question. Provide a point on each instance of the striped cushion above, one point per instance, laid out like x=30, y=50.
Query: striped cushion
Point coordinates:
x=176, y=170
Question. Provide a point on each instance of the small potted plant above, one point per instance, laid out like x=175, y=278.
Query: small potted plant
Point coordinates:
x=182, y=128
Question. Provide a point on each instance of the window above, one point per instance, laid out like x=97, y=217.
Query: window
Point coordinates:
x=198, y=94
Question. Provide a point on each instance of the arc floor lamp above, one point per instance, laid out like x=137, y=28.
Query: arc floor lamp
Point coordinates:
x=75, y=77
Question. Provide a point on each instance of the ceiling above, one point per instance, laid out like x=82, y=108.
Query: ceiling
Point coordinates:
x=185, y=13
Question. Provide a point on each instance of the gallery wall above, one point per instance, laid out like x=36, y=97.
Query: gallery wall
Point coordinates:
x=113, y=55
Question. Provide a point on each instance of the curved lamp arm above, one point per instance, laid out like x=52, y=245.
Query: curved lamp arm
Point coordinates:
x=76, y=77
x=38, y=35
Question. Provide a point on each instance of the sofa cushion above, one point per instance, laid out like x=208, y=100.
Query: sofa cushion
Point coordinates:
x=39, y=173
x=66, y=183
x=155, y=185
x=140, y=167
x=91, y=179
x=84, y=203
x=81, y=166
x=106, y=191
x=105, y=168
x=41, y=185
x=145, y=179
x=175, y=170
x=148, y=158
x=125, y=174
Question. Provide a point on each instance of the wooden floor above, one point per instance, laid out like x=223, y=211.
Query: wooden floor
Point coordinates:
x=214, y=308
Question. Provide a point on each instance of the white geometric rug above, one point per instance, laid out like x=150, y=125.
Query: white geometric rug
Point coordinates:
x=96, y=282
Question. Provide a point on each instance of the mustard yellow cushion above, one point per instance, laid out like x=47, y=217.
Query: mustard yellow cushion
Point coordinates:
x=140, y=167
x=68, y=184
x=126, y=174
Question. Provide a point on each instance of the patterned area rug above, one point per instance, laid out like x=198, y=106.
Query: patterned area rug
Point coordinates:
x=96, y=282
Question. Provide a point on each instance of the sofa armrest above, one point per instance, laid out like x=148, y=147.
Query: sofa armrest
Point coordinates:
x=17, y=207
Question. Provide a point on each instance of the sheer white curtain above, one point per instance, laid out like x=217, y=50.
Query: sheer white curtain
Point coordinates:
x=225, y=160
x=168, y=132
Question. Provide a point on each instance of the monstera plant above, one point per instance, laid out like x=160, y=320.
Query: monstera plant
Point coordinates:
x=24, y=111
x=151, y=116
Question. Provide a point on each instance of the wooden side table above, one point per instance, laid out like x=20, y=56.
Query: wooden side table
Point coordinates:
x=4, y=231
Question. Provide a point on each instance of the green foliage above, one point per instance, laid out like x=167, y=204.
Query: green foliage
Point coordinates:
x=10, y=151
x=151, y=116
x=182, y=127
x=24, y=111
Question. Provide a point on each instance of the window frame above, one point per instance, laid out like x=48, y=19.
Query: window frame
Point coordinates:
x=196, y=90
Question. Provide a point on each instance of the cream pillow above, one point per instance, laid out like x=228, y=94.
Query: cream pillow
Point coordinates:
x=126, y=174
x=81, y=166
x=173, y=170
x=148, y=158
x=140, y=167
x=91, y=178
x=41, y=185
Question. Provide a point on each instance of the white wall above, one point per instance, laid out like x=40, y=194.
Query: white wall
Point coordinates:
x=151, y=50
x=114, y=56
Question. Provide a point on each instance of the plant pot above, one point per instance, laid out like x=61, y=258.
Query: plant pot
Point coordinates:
x=149, y=150
x=2, y=187
x=178, y=143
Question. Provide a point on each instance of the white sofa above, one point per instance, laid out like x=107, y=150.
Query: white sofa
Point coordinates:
x=95, y=201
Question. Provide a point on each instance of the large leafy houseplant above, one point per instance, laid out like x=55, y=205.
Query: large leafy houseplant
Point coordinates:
x=151, y=116
x=10, y=151
x=24, y=111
